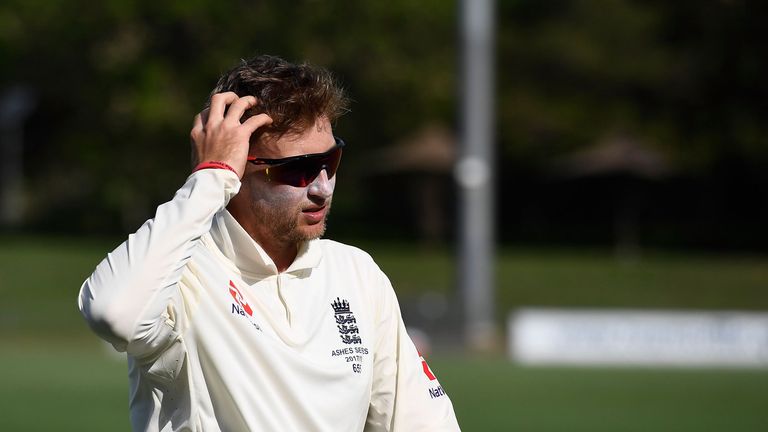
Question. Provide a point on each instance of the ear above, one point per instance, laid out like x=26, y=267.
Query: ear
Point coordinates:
x=257, y=140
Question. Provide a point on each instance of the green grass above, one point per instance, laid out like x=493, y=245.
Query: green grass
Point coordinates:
x=591, y=278
x=658, y=280
x=494, y=395
x=55, y=375
x=39, y=282
x=40, y=278
x=76, y=385
x=53, y=385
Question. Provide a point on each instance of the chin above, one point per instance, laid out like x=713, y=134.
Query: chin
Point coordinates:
x=311, y=232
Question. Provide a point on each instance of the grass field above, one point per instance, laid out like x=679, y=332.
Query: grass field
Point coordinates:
x=55, y=376
x=77, y=386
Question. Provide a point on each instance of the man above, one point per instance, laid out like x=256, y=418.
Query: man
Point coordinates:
x=233, y=313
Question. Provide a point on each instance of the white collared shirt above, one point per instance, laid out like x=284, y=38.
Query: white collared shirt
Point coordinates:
x=218, y=339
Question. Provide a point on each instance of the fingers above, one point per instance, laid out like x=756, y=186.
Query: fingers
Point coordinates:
x=237, y=109
x=197, y=132
x=205, y=121
x=228, y=106
x=197, y=125
x=218, y=134
x=219, y=103
x=256, y=122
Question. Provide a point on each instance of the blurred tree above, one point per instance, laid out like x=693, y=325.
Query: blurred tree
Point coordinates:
x=118, y=82
x=683, y=75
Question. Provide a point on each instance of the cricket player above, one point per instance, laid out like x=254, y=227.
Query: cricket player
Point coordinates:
x=234, y=314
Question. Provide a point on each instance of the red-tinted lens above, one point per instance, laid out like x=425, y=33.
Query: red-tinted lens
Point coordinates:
x=302, y=172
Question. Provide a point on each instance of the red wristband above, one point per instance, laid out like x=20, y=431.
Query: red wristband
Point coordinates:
x=215, y=165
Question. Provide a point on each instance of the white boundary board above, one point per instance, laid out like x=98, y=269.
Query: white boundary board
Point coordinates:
x=638, y=337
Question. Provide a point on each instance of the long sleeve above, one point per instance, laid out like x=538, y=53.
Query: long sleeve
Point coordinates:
x=406, y=396
x=132, y=297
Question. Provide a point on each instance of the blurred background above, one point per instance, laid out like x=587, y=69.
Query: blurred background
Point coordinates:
x=631, y=172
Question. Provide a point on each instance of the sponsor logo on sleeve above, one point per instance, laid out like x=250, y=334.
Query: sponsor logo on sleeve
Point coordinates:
x=434, y=392
x=427, y=370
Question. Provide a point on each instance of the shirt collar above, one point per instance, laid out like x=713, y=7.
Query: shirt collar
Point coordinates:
x=248, y=256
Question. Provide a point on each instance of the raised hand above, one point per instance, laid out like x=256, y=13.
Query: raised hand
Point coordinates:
x=219, y=135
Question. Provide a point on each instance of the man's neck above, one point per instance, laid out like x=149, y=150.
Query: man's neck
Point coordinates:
x=282, y=254
x=282, y=251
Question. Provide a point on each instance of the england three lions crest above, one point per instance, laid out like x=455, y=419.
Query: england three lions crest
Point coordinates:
x=346, y=322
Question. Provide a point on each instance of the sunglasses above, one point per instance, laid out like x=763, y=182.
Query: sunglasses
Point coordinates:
x=301, y=170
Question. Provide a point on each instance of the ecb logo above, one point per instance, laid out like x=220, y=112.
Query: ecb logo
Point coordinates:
x=346, y=322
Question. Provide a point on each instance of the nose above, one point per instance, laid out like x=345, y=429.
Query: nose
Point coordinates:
x=322, y=187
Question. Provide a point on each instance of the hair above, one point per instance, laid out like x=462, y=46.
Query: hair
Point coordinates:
x=294, y=96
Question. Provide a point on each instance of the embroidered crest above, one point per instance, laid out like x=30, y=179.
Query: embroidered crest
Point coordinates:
x=346, y=322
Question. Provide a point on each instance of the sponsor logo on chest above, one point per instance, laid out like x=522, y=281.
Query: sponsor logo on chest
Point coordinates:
x=240, y=305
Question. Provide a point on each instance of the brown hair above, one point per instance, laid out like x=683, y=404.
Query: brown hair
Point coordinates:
x=295, y=96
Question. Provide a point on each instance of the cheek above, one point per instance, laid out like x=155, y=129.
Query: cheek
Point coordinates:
x=277, y=196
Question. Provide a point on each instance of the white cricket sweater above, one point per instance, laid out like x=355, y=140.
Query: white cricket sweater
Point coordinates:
x=217, y=339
